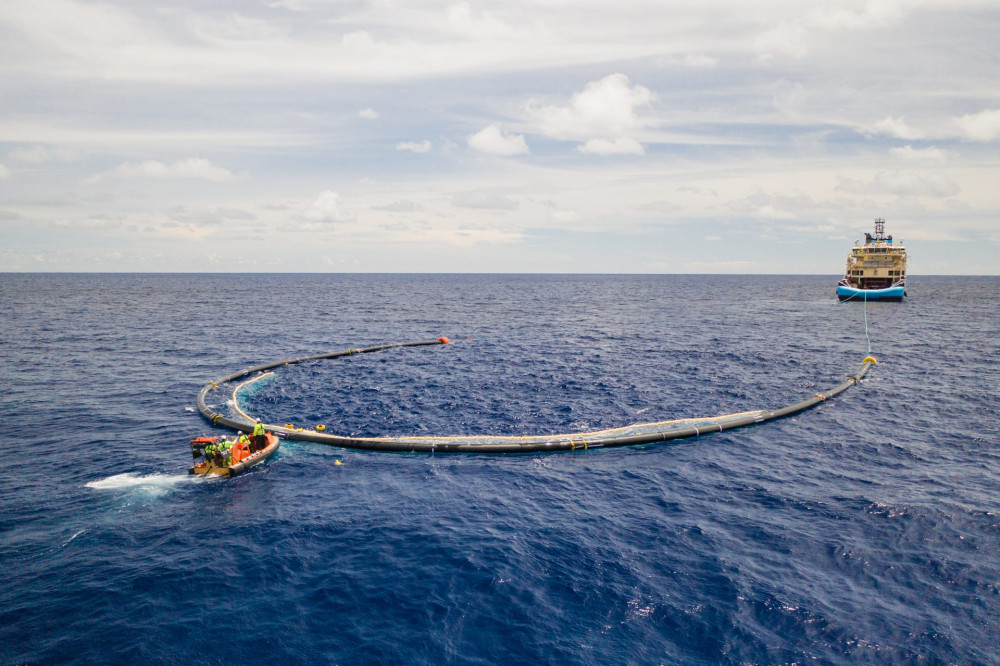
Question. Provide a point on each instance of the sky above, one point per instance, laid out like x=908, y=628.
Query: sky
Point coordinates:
x=548, y=136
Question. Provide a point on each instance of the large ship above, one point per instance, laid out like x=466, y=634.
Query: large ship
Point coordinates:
x=876, y=271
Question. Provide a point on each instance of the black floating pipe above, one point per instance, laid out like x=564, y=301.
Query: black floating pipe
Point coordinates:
x=498, y=444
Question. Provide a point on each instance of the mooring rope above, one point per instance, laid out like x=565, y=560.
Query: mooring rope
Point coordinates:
x=866, y=326
x=865, y=301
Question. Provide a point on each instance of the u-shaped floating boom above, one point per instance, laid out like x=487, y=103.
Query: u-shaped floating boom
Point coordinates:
x=642, y=433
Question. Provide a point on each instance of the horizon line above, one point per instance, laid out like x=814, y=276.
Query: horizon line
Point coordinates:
x=6, y=272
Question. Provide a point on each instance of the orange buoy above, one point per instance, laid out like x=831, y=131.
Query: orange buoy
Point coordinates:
x=444, y=340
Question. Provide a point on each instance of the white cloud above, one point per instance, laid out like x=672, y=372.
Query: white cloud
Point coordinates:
x=493, y=141
x=911, y=154
x=875, y=14
x=902, y=183
x=982, y=126
x=764, y=206
x=4, y=172
x=620, y=146
x=485, y=25
x=400, y=206
x=604, y=109
x=693, y=60
x=290, y=5
x=193, y=168
x=213, y=215
x=484, y=200
x=368, y=114
x=564, y=216
x=662, y=207
x=94, y=222
x=793, y=36
x=233, y=27
x=414, y=147
x=700, y=61
x=898, y=128
x=326, y=210
x=43, y=154
x=790, y=98
x=786, y=39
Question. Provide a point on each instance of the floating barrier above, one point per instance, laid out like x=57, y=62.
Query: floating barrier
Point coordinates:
x=633, y=435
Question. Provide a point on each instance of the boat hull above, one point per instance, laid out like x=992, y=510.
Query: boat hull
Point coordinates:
x=845, y=293
x=243, y=465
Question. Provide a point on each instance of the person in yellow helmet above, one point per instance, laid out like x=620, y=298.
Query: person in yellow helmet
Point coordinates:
x=241, y=448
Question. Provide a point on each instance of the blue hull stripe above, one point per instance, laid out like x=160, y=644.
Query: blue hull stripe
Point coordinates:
x=870, y=294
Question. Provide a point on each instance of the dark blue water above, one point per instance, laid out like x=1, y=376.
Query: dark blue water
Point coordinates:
x=863, y=531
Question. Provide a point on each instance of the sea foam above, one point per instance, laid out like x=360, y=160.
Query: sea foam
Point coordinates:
x=149, y=482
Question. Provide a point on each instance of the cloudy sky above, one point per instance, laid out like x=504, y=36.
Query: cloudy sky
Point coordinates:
x=716, y=136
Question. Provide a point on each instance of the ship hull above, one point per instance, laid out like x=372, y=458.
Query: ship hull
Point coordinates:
x=845, y=293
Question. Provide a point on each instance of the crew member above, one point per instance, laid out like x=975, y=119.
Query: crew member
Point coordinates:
x=212, y=455
x=259, y=438
x=240, y=451
x=225, y=455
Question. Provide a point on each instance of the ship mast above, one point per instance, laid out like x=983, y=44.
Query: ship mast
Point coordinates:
x=879, y=236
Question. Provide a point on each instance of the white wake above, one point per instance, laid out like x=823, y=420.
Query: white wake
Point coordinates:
x=148, y=482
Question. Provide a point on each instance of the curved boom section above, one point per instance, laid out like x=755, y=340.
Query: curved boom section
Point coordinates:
x=643, y=433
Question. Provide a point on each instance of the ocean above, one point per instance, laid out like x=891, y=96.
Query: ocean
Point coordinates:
x=866, y=530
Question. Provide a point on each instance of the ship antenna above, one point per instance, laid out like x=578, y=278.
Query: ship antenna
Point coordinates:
x=879, y=228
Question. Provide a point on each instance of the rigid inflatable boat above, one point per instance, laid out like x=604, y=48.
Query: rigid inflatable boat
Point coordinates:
x=240, y=456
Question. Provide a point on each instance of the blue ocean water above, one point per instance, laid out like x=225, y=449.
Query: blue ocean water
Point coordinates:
x=863, y=531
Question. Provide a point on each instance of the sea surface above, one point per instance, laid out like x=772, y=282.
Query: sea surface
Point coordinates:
x=864, y=531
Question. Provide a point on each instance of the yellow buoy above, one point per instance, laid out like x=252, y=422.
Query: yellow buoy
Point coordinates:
x=337, y=462
x=870, y=358
x=320, y=428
